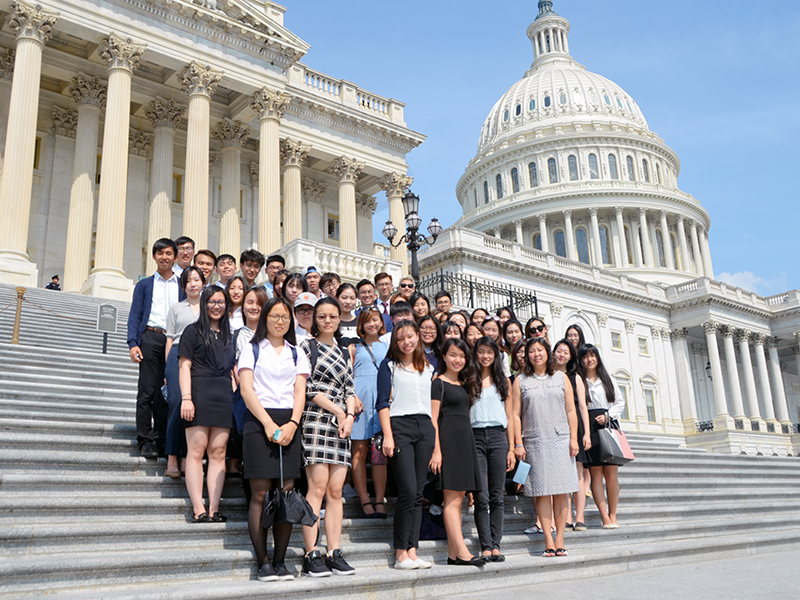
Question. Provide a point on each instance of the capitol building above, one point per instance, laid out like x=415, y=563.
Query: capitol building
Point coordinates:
x=124, y=121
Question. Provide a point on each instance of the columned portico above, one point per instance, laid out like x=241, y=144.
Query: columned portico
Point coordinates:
x=232, y=136
x=543, y=232
x=570, y=234
x=6, y=76
x=596, y=247
x=621, y=254
x=89, y=94
x=645, y=233
x=347, y=171
x=33, y=28
x=683, y=369
x=733, y=374
x=666, y=239
x=778, y=391
x=518, y=231
x=395, y=185
x=108, y=277
x=682, y=245
x=759, y=339
x=723, y=419
x=293, y=154
x=698, y=259
x=751, y=395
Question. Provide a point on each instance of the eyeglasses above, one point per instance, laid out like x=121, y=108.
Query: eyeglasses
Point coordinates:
x=186, y=248
x=428, y=329
x=216, y=303
x=279, y=318
x=536, y=328
x=304, y=310
x=406, y=285
x=274, y=267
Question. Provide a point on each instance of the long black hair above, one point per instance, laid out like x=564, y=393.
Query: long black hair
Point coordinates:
x=510, y=310
x=261, y=328
x=326, y=301
x=204, y=323
x=572, y=363
x=499, y=378
x=467, y=377
x=184, y=279
x=579, y=331
x=602, y=373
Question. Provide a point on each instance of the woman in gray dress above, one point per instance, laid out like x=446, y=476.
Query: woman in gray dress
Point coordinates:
x=546, y=437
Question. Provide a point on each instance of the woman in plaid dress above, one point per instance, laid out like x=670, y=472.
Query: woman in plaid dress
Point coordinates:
x=327, y=421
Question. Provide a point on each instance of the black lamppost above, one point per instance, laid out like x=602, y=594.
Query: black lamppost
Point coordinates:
x=412, y=238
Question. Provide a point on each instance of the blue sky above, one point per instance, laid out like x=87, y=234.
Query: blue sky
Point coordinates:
x=718, y=81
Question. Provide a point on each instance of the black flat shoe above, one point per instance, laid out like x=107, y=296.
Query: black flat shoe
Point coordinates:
x=218, y=517
x=379, y=515
x=498, y=558
x=201, y=518
x=475, y=561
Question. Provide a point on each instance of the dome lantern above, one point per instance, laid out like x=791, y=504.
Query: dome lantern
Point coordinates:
x=548, y=33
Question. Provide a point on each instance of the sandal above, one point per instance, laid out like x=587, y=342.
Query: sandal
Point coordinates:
x=365, y=514
x=549, y=553
x=201, y=518
x=561, y=552
x=218, y=517
x=380, y=515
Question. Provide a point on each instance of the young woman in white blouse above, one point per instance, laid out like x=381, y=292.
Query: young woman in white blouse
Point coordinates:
x=604, y=402
x=404, y=409
x=274, y=390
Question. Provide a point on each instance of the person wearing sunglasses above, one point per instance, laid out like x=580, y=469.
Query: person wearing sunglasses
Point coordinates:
x=535, y=328
x=407, y=287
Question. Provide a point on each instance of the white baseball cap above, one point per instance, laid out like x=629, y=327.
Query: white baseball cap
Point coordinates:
x=305, y=299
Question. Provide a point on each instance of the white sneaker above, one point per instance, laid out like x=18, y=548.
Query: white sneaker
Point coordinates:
x=406, y=565
x=422, y=563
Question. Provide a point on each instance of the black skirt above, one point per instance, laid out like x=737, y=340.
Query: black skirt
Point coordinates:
x=593, y=454
x=582, y=456
x=212, y=398
x=261, y=456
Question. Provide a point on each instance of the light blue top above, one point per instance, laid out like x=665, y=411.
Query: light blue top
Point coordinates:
x=489, y=410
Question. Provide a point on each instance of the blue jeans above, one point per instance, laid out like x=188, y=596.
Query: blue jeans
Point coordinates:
x=176, y=438
x=492, y=446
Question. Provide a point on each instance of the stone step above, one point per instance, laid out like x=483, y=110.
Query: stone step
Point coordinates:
x=91, y=393
x=56, y=356
x=77, y=411
x=23, y=370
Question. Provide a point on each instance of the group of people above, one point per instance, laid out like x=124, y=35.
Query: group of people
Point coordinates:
x=336, y=376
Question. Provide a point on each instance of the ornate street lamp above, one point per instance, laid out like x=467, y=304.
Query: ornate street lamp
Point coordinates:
x=412, y=238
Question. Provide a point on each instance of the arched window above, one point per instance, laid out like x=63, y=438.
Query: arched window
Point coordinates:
x=604, y=245
x=573, y=167
x=628, y=247
x=537, y=241
x=645, y=170
x=631, y=171
x=499, y=182
x=607, y=99
x=582, y=242
x=594, y=172
x=612, y=166
x=593, y=97
x=619, y=103
x=505, y=115
x=675, y=252
x=518, y=110
x=514, y=181
x=561, y=245
x=658, y=173
x=532, y=104
x=662, y=262
x=641, y=243
x=533, y=174
x=562, y=98
x=552, y=171
x=486, y=192
x=546, y=101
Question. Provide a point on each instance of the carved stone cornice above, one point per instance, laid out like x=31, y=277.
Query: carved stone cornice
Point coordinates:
x=629, y=325
x=772, y=342
x=198, y=79
x=7, y=56
x=728, y=331
x=253, y=174
x=568, y=213
x=346, y=169
x=293, y=153
x=743, y=335
x=31, y=22
x=365, y=205
x=655, y=332
x=710, y=327
x=602, y=319
x=230, y=134
x=556, y=308
x=120, y=53
x=164, y=113
x=140, y=142
x=396, y=184
x=593, y=211
x=680, y=334
x=86, y=89
x=618, y=210
x=665, y=334
x=313, y=190
x=65, y=122
x=269, y=104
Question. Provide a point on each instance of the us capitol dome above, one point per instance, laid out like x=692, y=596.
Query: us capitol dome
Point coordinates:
x=567, y=164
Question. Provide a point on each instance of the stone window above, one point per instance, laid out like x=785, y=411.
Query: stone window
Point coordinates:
x=628, y=247
x=546, y=101
x=537, y=241
x=593, y=97
x=612, y=166
x=333, y=228
x=594, y=171
x=658, y=173
x=650, y=404
x=631, y=169
x=518, y=110
x=505, y=115
x=643, y=350
x=562, y=98
x=37, y=154
x=622, y=384
x=616, y=340
x=675, y=252
x=572, y=162
x=619, y=103
x=552, y=170
x=499, y=183
x=607, y=99
x=604, y=245
x=582, y=242
x=645, y=170
x=533, y=174
x=177, y=188
x=514, y=181
x=532, y=104
x=577, y=98
x=486, y=192
x=561, y=245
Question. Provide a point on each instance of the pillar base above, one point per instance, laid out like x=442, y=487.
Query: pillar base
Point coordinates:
x=690, y=426
x=772, y=426
x=108, y=284
x=724, y=423
x=752, y=443
x=757, y=424
x=744, y=421
x=786, y=427
x=16, y=269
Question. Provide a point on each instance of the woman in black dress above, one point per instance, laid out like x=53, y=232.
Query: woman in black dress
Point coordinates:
x=206, y=359
x=455, y=457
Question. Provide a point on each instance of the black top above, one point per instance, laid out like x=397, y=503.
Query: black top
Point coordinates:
x=215, y=361
x=460, y=469
x=349, y=333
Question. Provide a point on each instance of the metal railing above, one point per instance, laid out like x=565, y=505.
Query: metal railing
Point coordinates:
x=473, y=292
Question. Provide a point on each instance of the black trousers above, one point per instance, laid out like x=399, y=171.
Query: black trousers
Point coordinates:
x=414, y=438
x=150, y=404
x=492, y=445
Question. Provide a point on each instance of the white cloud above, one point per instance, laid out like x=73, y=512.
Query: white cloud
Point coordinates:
x=750, y=281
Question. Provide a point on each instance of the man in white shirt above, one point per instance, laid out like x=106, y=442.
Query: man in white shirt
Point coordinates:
x=184, y=255
x=384, y=286
x=304, y=315
x=226, y=267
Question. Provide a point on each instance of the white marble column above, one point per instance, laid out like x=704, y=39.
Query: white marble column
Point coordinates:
x=687, y=263
x=723, y=419
x=737, y=404
x=32, y=28
x=759, y=339
x=645, y=233
x=232, y=136
x=6, y=76
x=395, y=185
x=198, y=82
x=293, y=155
x=698, y=259
x=543, y=233
x=518, y=231
x=750, y=393
x=683, y=368
x=621, y=249
x=269, y=106
x=705, y=389
x=89, y=94
x=666, y=238
x=796, y=351
x=570, y=235
x=165, y=115
x=347, y=171
x=107, y=278
x=598, y=251
x=706, y=252
x=778, y=391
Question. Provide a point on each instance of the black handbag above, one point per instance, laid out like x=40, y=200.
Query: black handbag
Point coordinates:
x=286, y=507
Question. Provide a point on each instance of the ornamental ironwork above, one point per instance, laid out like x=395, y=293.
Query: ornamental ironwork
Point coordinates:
x=738, y=424
x=703, y=426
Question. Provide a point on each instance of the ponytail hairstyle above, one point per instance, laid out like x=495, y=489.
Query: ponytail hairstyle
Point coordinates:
x=467, y=376
x=499, y=378
x=602, y=373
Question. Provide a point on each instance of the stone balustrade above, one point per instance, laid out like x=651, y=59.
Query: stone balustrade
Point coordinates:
x=351, y=266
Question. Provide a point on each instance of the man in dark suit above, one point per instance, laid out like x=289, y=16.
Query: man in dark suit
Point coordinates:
x=366, y=294
x=147, y=323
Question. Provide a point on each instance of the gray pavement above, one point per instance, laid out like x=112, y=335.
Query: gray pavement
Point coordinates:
x=760, y=576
